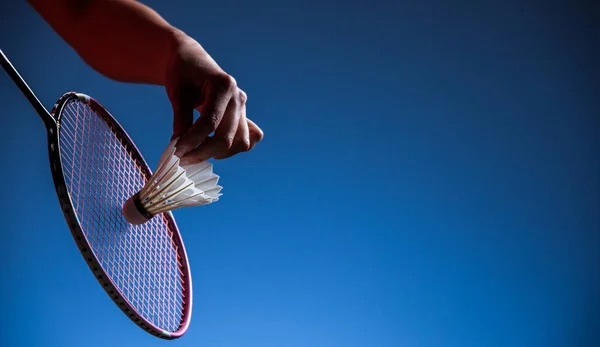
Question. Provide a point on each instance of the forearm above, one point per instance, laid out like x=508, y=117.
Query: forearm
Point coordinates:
x=122, y=39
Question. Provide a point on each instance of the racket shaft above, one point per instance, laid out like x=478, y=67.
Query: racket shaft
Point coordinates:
x=20, y=82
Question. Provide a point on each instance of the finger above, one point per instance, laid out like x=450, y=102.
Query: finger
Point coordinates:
x=256, y=133
x=221, y=142
x=183, y=104
x=225, y=135
x=211, y=114
x=200, y=153
x=241, y=142
x=182, y=121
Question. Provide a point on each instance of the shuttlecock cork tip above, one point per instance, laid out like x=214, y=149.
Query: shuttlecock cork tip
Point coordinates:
x=132, y=213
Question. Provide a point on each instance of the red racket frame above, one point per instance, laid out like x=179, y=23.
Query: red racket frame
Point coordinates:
x=52, y=123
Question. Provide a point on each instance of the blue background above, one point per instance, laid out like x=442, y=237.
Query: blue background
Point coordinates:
x=429, y=176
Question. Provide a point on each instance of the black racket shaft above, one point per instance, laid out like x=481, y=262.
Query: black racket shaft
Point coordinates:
x=20, y=82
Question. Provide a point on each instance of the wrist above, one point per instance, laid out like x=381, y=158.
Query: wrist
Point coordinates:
x=175, y=38
x=185, y=53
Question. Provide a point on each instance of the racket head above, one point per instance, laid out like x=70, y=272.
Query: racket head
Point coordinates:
x=96, y=167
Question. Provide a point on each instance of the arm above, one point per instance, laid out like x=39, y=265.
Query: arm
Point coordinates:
x=122, y=39
x=129, y=42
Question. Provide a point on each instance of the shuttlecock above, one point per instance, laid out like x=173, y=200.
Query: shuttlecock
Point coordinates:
x=173, y=186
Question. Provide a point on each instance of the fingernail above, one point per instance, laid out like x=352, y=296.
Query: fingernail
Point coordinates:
x=183, y=162
x=181, y=151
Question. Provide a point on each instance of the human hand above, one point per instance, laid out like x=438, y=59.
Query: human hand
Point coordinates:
x=194, y=81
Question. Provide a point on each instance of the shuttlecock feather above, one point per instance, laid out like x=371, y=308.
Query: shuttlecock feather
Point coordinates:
x=173, y=186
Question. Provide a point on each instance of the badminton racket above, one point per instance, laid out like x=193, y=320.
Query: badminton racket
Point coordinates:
x=95, y=168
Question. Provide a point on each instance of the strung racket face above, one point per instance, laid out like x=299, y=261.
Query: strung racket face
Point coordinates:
x=96, y=168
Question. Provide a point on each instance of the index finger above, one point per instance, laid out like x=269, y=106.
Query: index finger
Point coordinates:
x=211, y=115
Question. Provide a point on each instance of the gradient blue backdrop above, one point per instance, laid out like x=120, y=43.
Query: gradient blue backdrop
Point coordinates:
x=429, y=177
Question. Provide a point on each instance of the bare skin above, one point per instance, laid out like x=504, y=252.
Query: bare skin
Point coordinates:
x=129, y=42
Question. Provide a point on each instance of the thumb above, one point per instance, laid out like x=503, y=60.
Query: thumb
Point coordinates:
x=183, y=118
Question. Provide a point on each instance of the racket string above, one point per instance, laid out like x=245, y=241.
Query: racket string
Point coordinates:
x=142, y=261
